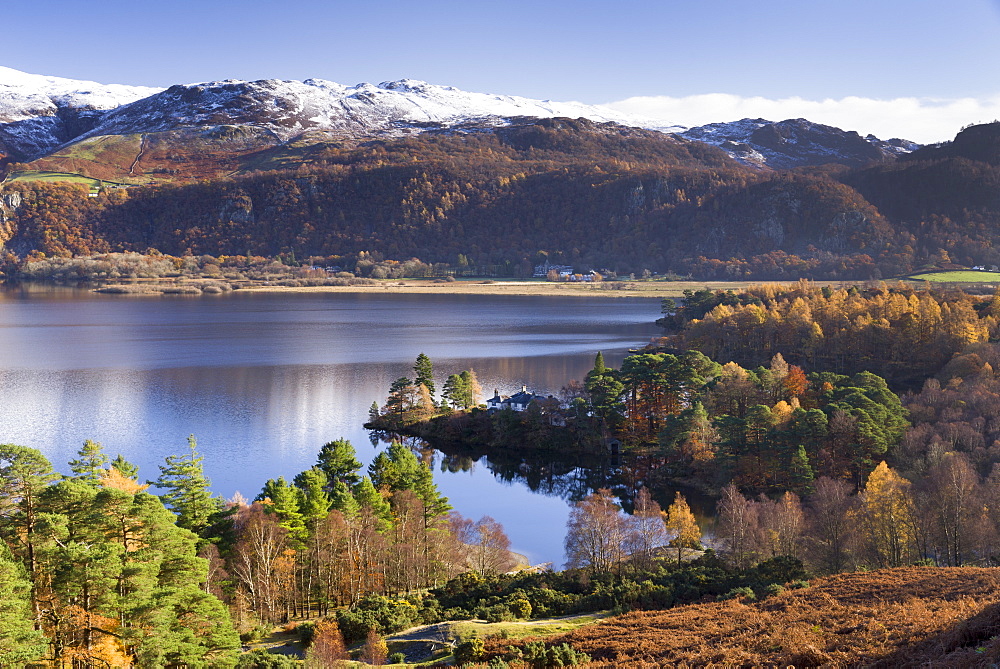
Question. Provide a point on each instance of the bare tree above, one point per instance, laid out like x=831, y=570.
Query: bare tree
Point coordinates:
x=485, y=544
x=738, y=527
x=951, y=503
x=256, y=560
x=832, y=526
x=596, y=533
x=647, y=530
x=782, y=523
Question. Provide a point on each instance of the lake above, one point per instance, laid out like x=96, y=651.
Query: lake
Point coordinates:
x=263, y=380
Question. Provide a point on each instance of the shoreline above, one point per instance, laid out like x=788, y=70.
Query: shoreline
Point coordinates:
x=516, y=288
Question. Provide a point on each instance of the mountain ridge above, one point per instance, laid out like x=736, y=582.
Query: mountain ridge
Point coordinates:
x=40, y=115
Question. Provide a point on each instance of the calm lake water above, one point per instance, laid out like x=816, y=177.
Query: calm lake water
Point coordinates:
x=264, y=380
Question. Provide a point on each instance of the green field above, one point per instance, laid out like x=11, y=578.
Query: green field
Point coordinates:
x=55, y=176
x=957, y=276
x=63, y=177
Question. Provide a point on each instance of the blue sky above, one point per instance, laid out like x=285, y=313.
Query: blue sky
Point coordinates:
x=926, y=65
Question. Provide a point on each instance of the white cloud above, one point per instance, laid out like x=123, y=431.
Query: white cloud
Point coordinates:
x=923, y=120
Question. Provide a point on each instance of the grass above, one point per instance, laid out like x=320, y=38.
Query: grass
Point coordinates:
x=543, y=627
x=957, y=276
x=56, y=176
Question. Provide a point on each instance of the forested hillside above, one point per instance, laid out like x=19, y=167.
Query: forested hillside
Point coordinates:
x=575, y=192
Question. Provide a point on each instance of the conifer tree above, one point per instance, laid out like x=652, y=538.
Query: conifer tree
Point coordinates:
x=424, y=370
x=125, y=467
x=314, y=501
x=374, y=651
x=369, y=497
x=285, y=505
x=338, y=461
x=400, y=400
x=474, y=392
x=327, y=647
x=800, y=471
x=188, y=494
x=20, y=643
x=91, y=463
x=342, y=500
x=24, y=474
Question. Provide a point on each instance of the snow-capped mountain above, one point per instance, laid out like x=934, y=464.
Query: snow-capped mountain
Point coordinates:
x=38, y=114
x=288, y=108
x=796, y=142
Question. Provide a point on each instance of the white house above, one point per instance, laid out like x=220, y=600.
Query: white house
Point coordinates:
x=516, y=402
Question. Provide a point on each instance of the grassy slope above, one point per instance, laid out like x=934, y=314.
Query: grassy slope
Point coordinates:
x=958, y=276
x=897, y=617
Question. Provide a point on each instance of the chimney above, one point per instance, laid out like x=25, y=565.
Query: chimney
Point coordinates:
x=524, y=389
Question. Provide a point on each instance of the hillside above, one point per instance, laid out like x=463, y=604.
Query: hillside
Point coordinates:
x=796, y=143
x=40, y=115
x=598, y=195
x=888, y=618
x=494, y=184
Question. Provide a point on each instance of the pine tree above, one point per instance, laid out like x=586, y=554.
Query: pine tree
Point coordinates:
x=314, y=501
x=400, y=400
x=285, y=505
x=599, y=366
x=800, y=471
x=90, y=466
x=337, y=460
x=369, y=497
x=342, y=500
x=454, y=393
x=20, y=643
x=474, y=392
x=125, y=467
x=24, y=475
x=188, y=494
x=424, y=371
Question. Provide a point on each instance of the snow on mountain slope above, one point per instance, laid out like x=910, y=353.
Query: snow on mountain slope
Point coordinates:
x=38, y=113
x=288, y=108
x=24, y=96
x=796, y=142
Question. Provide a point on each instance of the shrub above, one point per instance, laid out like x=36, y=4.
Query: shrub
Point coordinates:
x=305, y=631
x=469, y=651
x=773, y=590
x=397, y=658
x=261, y=659
x=746, y=593
x=537, y=656
x=520, y=607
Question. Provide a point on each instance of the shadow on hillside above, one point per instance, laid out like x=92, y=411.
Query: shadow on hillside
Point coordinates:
x=974, y=642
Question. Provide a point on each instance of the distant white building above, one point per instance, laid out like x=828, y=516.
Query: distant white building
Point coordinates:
x=516, y=402
x=542, y=271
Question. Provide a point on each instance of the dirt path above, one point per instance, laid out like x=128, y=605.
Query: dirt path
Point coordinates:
x=142, y=150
